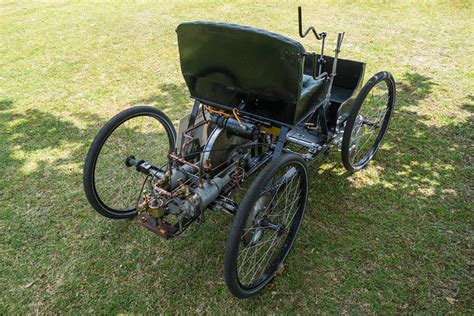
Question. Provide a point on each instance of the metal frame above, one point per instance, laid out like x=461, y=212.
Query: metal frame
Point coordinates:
x=316, y=138
x=221, y=147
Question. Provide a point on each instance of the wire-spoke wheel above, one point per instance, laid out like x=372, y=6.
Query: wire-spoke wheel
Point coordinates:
x=368, y=121
x=266, y=225
x=111, y=187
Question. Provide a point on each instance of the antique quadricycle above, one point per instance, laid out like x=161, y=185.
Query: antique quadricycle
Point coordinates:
x=263, y=108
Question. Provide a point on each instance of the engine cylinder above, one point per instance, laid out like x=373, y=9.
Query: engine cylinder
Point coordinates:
x=243, y=129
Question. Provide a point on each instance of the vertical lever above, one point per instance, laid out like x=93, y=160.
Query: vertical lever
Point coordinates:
x=340, y=37
x=321, y=36
x=310, y=29
x=300, y=22
x=321, y=59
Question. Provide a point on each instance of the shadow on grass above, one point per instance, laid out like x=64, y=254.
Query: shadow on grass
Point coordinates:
x=5, y=105
x=413, y=88
x=24, y=133
x=35, y=130
x=173, y=99
x=391, y=241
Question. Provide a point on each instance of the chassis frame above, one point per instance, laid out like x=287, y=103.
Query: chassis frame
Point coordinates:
x=189, y=183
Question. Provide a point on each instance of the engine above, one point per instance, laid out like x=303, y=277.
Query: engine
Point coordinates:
x=209, y=161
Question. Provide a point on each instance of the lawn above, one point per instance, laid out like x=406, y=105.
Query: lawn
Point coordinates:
x=395, y=237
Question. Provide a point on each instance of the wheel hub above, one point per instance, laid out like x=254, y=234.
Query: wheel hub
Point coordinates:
x=253, y=227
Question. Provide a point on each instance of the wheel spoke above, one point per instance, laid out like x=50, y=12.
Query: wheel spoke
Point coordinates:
x=368, y=125
x=142, y=136
x=267, y=235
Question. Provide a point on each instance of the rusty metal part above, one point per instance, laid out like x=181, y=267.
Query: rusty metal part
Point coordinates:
x=189, y=140
x=159, y=227
x=183, y=190
x=207, y=165
x=163, y=182
x=143, y=205
x=163, y=191
x=173, y=156
x=150, y=205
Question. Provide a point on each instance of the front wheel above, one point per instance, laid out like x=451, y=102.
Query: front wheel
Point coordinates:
x=368, y=121
x=265, y=225
x=111, y=187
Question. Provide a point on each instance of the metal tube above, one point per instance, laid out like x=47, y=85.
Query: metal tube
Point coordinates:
x=300, y=25
x=321, y=60
x=340, y=37
x=211, y=190
x=184, y=161
x=245, y=130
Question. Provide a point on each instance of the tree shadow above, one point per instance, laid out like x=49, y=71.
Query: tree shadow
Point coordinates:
x=392, y=234
x=169, y=98
x=469, y=106
x=413, y=88
x=6, y=105
x=35, y=130
x=29, y=132
x=397, y=219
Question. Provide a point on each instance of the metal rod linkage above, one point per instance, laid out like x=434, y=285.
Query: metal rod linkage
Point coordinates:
x=340, y=37
x=310, y=29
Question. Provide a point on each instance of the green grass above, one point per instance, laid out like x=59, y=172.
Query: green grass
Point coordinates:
x=396, y=237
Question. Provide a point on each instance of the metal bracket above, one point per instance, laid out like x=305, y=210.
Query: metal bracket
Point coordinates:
x=194, y=113
x=323, y=122
x=280, y=143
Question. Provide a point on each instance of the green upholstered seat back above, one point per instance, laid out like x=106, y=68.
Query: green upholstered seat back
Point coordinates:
x=224, y=63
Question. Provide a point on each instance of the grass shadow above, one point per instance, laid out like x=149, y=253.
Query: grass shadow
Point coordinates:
x=381, y=233
x=6, y=105
x=357, y=239
x=170, y=98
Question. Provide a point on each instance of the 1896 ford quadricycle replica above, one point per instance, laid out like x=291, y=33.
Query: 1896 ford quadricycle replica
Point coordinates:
x=263, y=108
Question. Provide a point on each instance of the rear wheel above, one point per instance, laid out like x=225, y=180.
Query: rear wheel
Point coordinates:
x=111, y=187
x=368, y=121
x=265, y=225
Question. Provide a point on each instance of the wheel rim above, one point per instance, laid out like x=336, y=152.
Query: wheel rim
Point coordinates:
x=271, y=226
x=117, y=186
x=370, y=124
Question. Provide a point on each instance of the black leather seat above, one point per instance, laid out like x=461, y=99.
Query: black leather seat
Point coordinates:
x=227, y=64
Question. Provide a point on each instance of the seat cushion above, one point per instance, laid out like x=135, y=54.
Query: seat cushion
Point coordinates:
x=312, y=92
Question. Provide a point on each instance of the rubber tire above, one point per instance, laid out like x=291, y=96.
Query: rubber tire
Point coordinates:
x=99, y=141
x=232, y=247
x=381, y=76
